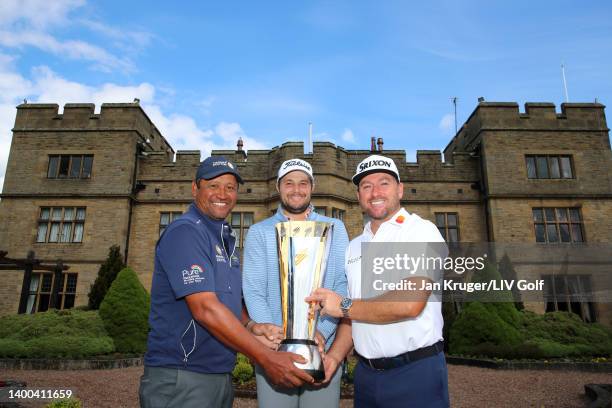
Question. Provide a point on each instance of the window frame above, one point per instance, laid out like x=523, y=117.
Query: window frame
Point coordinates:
x=240, y=229
x=36, y=293
x=550, y=158
x=542, y=224
x=338, y=213
x=50, y=222
x=446, y=227
x=172, y=215
x=568, y=301
x=57, y=160
x=321, y=210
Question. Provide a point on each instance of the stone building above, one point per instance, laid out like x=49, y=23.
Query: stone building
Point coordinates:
x=78, y=182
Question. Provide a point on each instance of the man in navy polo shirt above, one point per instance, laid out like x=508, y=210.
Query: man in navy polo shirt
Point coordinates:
x=197, y=316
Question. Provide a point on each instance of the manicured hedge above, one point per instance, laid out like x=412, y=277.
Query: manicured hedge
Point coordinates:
x=54, y=334
x=499, y=329
x=481, y=331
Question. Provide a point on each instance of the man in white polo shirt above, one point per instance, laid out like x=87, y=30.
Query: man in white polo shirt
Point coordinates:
x=399, y=341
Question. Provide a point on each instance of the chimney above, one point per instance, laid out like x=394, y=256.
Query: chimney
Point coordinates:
x=380, y=143
x=373, y=144
x=240, y=144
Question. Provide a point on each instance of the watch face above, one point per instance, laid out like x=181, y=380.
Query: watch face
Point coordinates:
x=346, y=303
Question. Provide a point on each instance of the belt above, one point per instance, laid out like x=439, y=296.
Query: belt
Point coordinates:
x=387, y=363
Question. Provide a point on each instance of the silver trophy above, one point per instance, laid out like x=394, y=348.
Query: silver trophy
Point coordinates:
x=303, y=248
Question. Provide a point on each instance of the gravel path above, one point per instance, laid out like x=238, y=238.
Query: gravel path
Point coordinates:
x=469, y=387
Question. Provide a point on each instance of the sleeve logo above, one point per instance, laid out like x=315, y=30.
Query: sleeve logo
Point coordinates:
x=195, y=274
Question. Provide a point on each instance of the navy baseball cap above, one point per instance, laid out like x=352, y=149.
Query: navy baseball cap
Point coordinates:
x=213, y=167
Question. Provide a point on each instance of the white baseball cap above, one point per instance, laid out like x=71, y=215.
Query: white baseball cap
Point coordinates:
x=375, y=164
x=292, y=165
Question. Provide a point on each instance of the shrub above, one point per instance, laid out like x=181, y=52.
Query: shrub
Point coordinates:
x=351, y=363
x=66, y=403
x=54, y=334
x=560, y=334
x=106, y=276
x=241, y=358
x=11, y=348
x=479, y=324
x=552, y=335
x=69, y=347
x=125, y=312
x=243, y=372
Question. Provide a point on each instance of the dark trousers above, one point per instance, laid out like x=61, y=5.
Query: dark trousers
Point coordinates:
x=422, y=383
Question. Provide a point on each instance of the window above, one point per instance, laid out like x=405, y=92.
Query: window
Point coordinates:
x=74, y=166
x=165, y=218
x=61, y=224
x=569, y=293
x=321, y=210
x=41, y=285
x=558, y=224
x=338, y=213
x=448, y=224
x=549, y=167
x=240, y=222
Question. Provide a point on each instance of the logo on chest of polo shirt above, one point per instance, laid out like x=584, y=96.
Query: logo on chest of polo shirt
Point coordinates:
x=193, y=274
x=219, y=251
x=400, y=219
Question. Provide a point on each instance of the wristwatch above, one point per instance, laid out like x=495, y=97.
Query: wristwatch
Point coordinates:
x=345, y=305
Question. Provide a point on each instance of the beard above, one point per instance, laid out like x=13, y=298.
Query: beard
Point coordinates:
x=294, y=210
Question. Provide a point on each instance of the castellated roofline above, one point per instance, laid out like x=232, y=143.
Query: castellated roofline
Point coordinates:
x=538, y=116
x=82, y=117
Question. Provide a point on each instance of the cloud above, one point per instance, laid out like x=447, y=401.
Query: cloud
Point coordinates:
x=231, y=132
x=180, y=130
x=37, y=13
x=447, y=123
x=13, y=88
x=29, y=23
x=122, y=38
x=72, y=49
x=51, y=88
x=348, y=136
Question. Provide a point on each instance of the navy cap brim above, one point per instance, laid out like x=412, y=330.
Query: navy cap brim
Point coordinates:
x=357, y=177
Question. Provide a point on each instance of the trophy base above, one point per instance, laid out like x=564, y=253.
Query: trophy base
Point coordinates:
x=309, y=350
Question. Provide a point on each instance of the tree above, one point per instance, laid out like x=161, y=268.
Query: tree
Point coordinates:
x=106, y=275
x=125, y=312
x=508, y=273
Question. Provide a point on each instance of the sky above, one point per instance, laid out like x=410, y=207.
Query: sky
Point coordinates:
x=209, y=72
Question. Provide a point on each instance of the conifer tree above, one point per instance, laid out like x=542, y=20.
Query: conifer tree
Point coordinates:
x=106, y=275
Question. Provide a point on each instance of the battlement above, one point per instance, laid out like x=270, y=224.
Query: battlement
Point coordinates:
x=505, y=116
x=36, y=117
x=329, y=159
x=538, y=114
